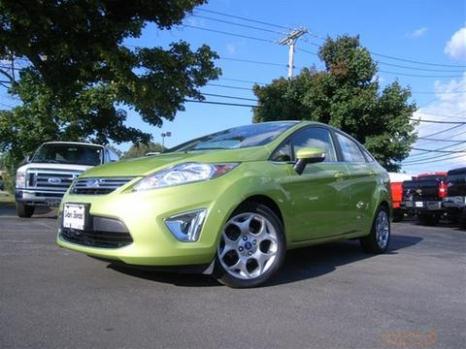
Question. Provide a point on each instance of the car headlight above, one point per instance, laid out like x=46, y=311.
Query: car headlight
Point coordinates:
x=20, y=179
x=183, y=173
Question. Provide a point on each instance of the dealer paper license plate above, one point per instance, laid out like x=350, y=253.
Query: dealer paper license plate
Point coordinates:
x=74, y=216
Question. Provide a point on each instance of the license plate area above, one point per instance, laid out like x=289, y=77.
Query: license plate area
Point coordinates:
x=75, y=216
x=419, y=204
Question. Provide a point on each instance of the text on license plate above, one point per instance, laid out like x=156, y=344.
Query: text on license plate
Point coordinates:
x=419, y=204
x=74, y=216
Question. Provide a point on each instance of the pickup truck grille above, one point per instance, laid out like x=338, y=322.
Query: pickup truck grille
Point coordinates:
x=53, y=181
x=98, y=186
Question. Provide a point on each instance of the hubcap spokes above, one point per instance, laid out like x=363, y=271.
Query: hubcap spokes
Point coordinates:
x=248, y=245
x=382, y=229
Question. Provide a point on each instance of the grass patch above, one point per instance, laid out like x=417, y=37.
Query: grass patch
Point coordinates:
x=6, y=198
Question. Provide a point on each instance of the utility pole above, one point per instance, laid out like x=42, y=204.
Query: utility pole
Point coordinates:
x=290, y=41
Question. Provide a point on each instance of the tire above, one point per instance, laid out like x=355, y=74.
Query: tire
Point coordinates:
x=428, y=219
x=24, y=211
x=398, y=215
x=252, y=247
x=379, y=238
x=462, y=219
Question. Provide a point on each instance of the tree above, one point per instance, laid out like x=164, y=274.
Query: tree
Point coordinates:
x=346, y=95
x=80, y=77
x=141, y=149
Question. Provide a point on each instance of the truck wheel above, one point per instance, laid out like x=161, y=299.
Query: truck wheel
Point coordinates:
x=252, y=247
x=398, y=215
x=379, y=238
x=428, y=219
x=24, y=211
x=462, y=219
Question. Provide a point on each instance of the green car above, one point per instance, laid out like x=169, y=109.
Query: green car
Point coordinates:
x=231, y=203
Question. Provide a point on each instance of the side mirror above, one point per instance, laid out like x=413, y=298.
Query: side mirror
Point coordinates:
x=308, y=156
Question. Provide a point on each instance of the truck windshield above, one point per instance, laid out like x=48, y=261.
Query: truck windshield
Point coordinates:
x=62, y=153
x=238, y=137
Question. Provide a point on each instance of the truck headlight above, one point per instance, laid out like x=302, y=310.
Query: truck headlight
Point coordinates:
x=182, y=174
x=20, y=179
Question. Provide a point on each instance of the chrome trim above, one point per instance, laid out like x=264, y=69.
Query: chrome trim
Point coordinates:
x=98, y=185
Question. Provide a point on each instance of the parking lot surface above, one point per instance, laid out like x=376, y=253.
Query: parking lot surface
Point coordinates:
x=330, y=296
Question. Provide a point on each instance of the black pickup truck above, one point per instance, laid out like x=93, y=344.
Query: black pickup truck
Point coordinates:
x=423, y=197
x=455, y=202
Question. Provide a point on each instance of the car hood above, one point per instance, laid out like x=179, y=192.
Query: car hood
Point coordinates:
x=54, y=167
x=148, y=164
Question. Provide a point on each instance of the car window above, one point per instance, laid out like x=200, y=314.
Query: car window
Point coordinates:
x=350, y=150
x=318, y=137
x=112, y=155
x=368, y=155
x=309, y=137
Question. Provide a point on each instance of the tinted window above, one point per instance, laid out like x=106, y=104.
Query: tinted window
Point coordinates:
x=62, y=153
x=316, y=137
x=238, y=137
x=351, y=151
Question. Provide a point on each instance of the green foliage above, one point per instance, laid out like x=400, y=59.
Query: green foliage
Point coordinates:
x=81, y=77
x=141, y=149
x=345, y=95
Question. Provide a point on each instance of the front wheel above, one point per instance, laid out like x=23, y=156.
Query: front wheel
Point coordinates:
x=252, y=247
x=378, y=239
x=24, y=211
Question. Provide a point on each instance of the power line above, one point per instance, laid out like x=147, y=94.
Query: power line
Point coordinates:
x=229, y=86
x=407, y=60
x=243, y=18
x=228, y=33
x=238, y=24
x=252, y=61
x=231, y=97
x=220, y=103
x=440, y=151
x=439, y=140
x=431, y=161
x=443, y=131
x=420, y=69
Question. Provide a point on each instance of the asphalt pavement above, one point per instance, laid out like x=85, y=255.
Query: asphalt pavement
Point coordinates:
x=330, y=296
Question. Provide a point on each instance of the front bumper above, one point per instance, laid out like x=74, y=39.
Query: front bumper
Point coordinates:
x=144, y=213
x=33, y=197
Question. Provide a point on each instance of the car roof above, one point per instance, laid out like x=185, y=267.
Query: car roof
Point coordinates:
x=76, y=143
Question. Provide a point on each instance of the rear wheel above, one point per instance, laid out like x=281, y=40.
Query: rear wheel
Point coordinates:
x=24, y=211
x=378, y=239
x=398, y=215
x=462, y=219
x=252, y=247
x=428, y=219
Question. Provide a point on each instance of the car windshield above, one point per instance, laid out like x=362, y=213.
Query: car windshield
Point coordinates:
x=237, y=137
x=62, y=153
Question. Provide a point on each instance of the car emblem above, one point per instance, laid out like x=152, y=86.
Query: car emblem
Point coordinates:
x=54, y=180
x=419, y=191
x=93, y=183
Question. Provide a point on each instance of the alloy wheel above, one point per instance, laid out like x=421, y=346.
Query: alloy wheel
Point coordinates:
x=248, y=246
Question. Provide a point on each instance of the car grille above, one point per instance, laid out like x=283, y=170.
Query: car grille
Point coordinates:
x=50, y=180
x=103, y=239
x=98, y=186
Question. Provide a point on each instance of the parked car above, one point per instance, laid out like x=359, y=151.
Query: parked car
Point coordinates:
x=396, y=186
x=423, y=196
x=455, y=201
x=45, y=177
x=231, y=203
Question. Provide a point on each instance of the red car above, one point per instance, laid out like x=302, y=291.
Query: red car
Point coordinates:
x=396, y=184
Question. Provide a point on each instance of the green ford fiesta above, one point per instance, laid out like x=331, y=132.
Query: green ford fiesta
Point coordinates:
x=231, y=203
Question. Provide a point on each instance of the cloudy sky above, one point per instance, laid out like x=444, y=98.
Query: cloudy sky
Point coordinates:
x=428, y=36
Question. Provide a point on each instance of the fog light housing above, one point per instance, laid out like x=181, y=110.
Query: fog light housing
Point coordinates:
x=186, y=226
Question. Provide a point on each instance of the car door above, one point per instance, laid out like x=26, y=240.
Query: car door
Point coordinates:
x=362, y=179
x=318, y=196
